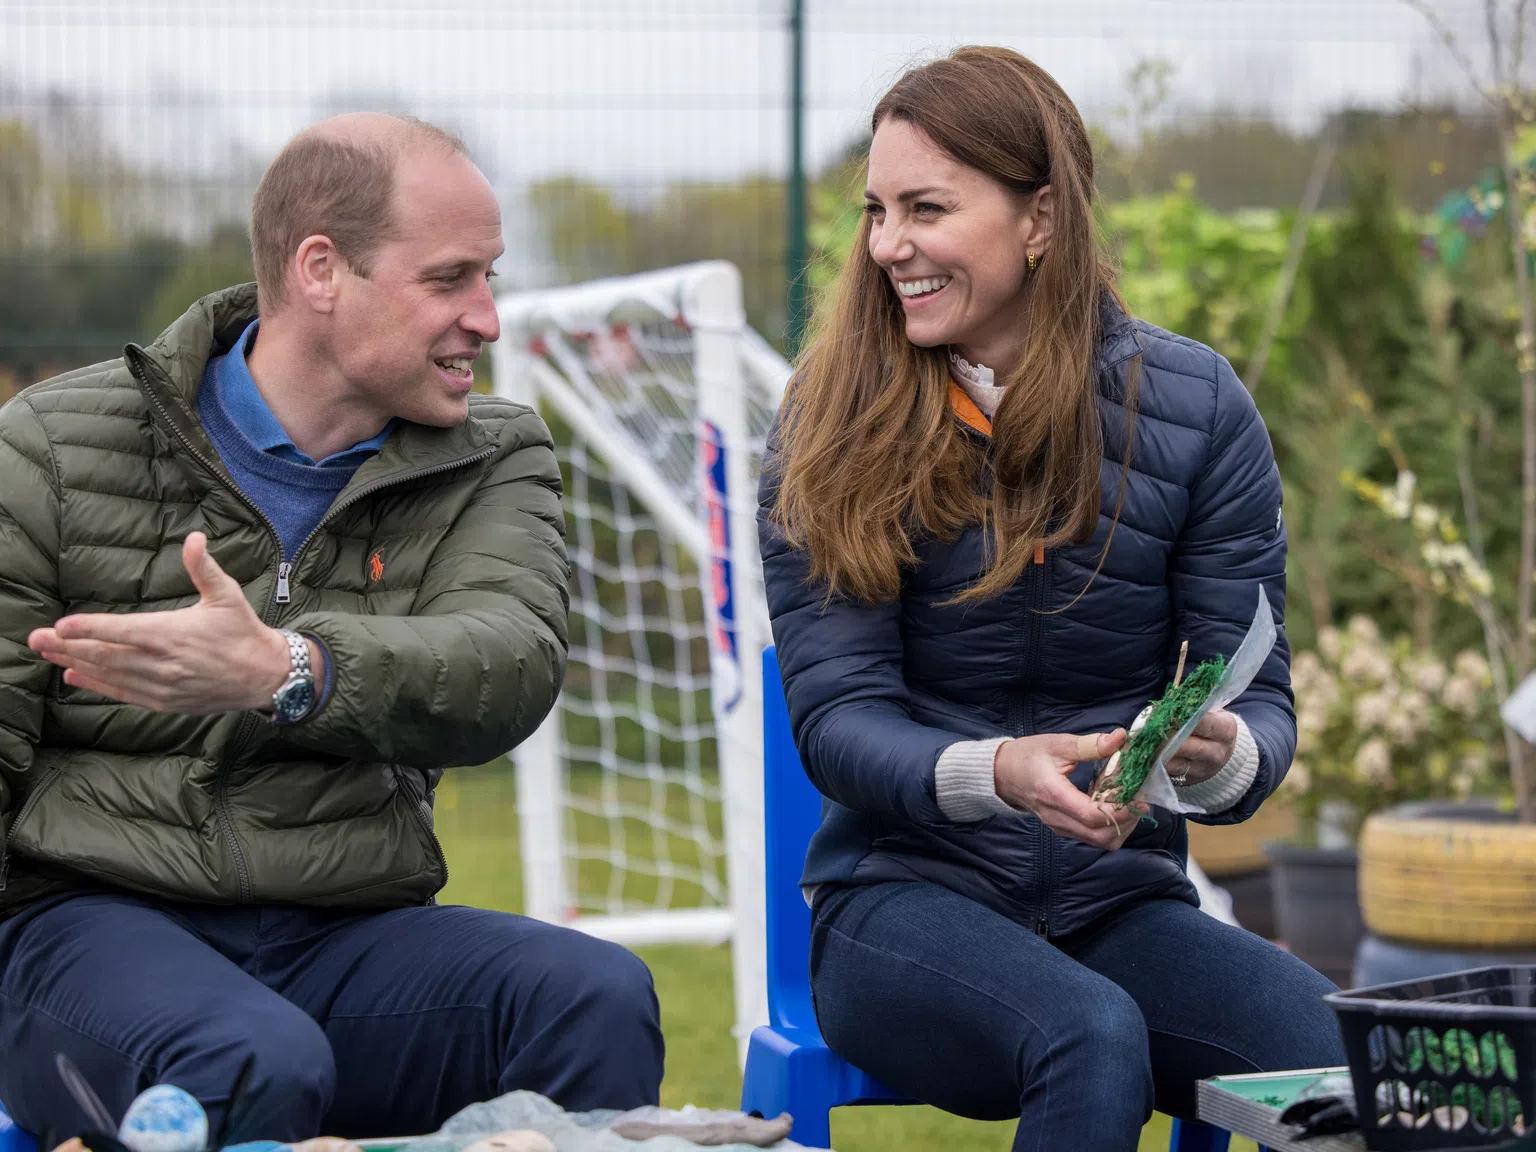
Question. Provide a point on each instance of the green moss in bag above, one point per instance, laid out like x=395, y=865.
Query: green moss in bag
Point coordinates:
x=1168, y=715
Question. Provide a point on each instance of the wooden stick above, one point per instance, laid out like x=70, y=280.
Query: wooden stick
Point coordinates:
x=1179, y=673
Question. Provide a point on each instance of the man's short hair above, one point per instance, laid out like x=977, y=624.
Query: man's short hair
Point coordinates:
x=322, y=184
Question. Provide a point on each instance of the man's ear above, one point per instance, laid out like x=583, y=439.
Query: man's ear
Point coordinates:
x=317, y=268
x=1039, y=221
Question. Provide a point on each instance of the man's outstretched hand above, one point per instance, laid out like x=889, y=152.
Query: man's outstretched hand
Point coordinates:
x=212, y=656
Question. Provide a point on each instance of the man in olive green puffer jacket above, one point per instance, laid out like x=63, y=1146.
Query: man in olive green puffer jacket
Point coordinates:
x=261, y=581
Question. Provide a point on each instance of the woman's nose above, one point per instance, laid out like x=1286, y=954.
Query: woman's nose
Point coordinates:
x=890, y=244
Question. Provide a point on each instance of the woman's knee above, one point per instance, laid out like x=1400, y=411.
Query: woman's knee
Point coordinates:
x=1302, y=1031
x=1105, y=1030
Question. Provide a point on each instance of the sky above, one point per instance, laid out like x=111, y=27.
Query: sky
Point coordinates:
x=635, y=92
x=641, y=93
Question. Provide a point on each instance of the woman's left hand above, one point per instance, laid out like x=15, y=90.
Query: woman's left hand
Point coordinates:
x=1207, y=750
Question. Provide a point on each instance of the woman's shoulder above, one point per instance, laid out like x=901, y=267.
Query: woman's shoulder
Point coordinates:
x=1183, y=381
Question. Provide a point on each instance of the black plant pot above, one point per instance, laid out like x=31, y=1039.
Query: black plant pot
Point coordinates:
x=1317, y=908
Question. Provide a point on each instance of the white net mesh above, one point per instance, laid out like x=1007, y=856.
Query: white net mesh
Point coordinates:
x=638, y=745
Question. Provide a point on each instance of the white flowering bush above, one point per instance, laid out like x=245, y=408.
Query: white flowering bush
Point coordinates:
x=1380, y=723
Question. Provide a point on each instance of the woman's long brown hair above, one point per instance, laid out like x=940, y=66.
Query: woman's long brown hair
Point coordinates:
x=870, y=453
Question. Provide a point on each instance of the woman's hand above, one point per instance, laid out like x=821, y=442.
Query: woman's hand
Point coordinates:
x=1031, y=773
x=1207, y=750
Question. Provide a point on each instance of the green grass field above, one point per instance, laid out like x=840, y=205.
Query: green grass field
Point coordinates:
x=476, y=820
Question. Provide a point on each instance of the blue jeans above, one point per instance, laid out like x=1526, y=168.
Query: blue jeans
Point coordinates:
x=960, y=1007
x=360, y=1024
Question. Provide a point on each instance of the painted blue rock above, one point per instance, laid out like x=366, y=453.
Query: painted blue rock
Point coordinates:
x=164, y=1119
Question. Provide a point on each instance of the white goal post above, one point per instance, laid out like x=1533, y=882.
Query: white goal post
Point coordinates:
x=640, y=798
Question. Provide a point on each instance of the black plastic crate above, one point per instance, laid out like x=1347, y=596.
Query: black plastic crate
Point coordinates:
x=1445, y=1062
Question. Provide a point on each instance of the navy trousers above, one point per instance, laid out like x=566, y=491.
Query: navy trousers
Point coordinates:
x=958, y=1006
x=359, y=1024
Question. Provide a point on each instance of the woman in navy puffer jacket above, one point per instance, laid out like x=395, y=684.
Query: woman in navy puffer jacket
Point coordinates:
x=995, y=507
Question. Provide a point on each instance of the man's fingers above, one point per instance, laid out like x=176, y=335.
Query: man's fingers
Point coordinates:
x=125, y=691
x=211, y=581
x=137, y=630
x=98, y=653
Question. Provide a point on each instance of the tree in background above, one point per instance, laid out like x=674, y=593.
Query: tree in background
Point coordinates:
x=1509, y=640
x=590, y=233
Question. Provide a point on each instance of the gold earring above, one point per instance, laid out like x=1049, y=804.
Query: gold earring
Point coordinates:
x=1031, y=261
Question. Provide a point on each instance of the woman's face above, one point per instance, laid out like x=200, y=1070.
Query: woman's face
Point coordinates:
x=955, y=244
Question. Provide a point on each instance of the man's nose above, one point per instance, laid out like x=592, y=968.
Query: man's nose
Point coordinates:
x=481, y=317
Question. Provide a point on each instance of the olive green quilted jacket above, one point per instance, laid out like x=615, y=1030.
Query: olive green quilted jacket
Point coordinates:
x=437, y=582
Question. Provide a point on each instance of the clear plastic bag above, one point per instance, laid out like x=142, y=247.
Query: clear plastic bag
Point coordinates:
x=1158, y=789
x=574, y=1131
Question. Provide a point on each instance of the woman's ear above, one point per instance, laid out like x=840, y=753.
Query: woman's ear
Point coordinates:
x=1039, y=220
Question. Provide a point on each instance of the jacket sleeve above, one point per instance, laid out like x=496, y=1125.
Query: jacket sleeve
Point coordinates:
x=1233, y=543
x=848, y=703
x=29, y=592
x=476, y=666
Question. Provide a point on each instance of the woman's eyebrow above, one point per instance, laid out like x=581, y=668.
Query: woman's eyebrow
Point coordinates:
x=908, y=196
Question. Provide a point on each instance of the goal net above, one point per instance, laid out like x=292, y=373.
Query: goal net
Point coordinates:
x=640, y=798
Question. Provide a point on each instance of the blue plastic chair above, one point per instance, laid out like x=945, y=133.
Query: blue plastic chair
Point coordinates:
x=789, y=1066
x=12, y=1137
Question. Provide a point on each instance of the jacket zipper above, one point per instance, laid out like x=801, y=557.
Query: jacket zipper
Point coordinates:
x=420, y=808
x=284, y=571
x=268, y=617
x=424, y=818
x=247, y=723
x=32, y=799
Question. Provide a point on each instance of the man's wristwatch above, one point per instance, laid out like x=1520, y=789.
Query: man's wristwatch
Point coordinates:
x=295, y=699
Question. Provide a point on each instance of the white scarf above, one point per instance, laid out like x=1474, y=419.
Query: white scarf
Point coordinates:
x=976, y=380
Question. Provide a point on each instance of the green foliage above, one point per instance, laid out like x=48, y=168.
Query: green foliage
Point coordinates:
x=224, y=260
x=592, y=233
x=1169, y=713
x=1241, y=162
x=1197, y=272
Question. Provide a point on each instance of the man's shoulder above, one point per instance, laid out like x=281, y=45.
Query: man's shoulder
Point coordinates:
x=511, y=425
x=107, y=388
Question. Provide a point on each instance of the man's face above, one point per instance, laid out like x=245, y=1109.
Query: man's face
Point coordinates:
x=406, y=334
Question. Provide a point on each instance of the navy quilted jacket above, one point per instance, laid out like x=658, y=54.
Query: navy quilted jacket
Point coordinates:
x=877, y=692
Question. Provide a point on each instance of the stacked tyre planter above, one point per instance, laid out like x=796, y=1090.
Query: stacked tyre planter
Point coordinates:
x=1443, y=888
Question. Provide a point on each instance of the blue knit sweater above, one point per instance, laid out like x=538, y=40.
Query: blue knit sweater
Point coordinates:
x=292, y=491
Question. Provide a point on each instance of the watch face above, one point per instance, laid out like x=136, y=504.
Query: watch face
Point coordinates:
x=293, y=701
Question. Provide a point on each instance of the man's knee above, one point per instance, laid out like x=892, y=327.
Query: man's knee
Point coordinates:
x=595, y=1018
x=608, y=984
x=293, y=1073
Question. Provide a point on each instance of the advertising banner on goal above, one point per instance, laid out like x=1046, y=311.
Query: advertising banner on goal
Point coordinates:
x=720, y=599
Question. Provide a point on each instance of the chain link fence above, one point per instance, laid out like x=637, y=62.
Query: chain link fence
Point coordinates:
x=619, y=136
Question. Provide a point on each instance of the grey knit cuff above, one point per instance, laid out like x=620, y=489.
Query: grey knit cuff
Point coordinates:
x=1231, y=784
x=963, y=782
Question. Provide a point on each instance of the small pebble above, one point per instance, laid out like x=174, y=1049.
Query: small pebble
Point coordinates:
x=325, y=1144
x=164, y=1118
x=518, y=1140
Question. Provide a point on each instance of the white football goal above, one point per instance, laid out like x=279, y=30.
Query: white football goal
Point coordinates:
x=640, y=798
